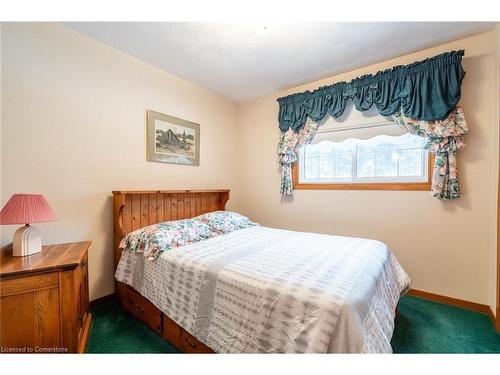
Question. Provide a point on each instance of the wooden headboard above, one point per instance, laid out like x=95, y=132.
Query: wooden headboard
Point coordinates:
x=136, y=209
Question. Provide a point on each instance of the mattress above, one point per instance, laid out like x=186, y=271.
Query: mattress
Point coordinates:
x=265, y=290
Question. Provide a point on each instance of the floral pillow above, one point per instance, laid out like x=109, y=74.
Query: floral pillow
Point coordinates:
x=154, y=239
x=225, y=221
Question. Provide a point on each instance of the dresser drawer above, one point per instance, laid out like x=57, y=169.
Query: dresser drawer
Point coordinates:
x=28, y=284
x=142, y=309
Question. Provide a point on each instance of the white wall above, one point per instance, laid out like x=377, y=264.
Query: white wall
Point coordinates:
x=73, y=129
x=446, y=247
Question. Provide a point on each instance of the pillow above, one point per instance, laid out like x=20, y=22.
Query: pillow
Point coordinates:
x=154, y=239
x=225, y=221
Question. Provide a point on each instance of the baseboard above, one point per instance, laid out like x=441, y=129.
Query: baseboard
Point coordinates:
x=101, y=300
x=493, y=319
x=498, y=319
x=474, y=306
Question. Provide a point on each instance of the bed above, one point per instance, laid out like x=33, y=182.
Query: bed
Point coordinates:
x=256, y=289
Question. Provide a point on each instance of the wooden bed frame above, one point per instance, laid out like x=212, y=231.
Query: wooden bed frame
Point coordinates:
x=136, y=209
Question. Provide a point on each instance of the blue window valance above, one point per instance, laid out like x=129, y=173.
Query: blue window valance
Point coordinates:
x=426, y=90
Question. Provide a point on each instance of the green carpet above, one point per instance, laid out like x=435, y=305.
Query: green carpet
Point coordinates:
x=430, y=327
x=115, y=331
x=422, y=327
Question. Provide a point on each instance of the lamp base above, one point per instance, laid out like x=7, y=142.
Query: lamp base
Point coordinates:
x=27, y=241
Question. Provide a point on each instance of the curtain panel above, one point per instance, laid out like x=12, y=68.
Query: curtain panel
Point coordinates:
x=444, y=138
x=425, y=90
x=288, y=146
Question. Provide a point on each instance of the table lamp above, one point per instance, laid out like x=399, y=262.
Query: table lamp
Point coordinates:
x=26, y=209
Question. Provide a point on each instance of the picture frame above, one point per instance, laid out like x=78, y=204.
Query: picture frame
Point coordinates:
x=172, y=140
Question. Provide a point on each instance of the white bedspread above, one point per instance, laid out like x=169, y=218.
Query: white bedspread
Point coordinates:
x=268, y=290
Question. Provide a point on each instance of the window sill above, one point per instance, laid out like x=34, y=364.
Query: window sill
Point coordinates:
x=360, y=186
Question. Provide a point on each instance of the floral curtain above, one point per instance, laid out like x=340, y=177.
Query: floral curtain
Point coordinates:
x=444, y=138
x=288, y=145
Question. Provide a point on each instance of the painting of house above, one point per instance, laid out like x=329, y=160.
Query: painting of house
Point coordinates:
x=172, y=140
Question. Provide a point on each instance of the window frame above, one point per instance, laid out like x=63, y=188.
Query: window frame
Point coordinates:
x=371, y=185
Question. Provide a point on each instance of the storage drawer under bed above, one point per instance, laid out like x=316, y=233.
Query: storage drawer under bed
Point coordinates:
x=133, y=302
x=181, y=338
x=141, y=308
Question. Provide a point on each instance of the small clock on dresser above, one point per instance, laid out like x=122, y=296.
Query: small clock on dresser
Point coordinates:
x=44, y=300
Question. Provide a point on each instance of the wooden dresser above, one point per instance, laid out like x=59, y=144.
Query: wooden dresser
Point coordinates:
x=44, y=300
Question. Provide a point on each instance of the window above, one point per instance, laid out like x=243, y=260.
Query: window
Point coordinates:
x=381, y=157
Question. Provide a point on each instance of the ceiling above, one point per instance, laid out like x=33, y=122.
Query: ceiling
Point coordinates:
x=244, y=61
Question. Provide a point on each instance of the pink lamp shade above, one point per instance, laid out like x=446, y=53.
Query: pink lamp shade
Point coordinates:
x=26, y=209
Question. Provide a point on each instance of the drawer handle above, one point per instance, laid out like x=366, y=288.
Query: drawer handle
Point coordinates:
x=139, y=308
x=190, y=344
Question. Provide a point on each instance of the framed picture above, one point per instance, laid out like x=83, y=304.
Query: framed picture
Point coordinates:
x=172, y=140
